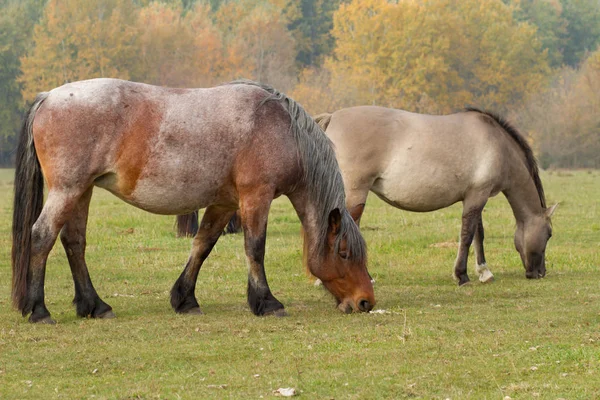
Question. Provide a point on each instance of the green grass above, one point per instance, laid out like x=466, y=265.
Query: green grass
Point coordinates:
x=514, y=337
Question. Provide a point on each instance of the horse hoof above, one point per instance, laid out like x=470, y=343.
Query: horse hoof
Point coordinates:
x=280, y=313
x=106, y=315
x=486, y=276
x=461, y=280
x=45, y=320
x=277, y=313
x=193, y=311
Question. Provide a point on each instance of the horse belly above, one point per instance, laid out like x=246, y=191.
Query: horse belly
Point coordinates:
x=419, y=191
x=171, y=192
x=174, y=197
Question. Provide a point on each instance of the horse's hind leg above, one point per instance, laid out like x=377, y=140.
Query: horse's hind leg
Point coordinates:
x=73, y=238
x=485, y=275
x=470, y=219
x=183, y=298
x=235, y=223
x=255, y=210
x=55, y=212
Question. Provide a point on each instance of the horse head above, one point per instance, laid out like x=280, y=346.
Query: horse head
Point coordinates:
x=531, y=238
x=342, y=267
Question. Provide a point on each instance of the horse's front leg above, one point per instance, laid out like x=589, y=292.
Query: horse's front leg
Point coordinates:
x=254, y=209
x=485, y=275
x=470, y=218
x=183, y=298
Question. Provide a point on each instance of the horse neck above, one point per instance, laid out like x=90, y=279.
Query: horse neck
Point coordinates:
x=310, y=214
x=522, y=194
x=320, y=190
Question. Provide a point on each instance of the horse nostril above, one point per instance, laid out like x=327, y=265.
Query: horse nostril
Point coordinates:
x=364, y=305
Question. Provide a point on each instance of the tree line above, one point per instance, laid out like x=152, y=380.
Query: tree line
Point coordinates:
x=535, y=61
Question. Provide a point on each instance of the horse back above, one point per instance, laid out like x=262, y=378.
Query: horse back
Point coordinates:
x=164, y=150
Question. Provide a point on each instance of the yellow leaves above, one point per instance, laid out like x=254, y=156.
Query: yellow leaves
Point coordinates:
x=426, y=56
x=289, y=10
x=160, y=44
x=315, y=91
x=390, y=52
x=208, y=47
x=165, y=46
x=259, y=45
x=563, y=119
x=433, y=56
x=76, y=40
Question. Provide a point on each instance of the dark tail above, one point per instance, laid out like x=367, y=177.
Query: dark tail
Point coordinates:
x=187, y=225
x=323, y=120
x=28, y=202
x=235, y=223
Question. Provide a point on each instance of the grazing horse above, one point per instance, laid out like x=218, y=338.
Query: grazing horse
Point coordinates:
x=173, y=151
x=422, y=163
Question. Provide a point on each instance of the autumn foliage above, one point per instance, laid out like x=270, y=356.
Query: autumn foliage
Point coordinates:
x=431, y=56
x=517, y=57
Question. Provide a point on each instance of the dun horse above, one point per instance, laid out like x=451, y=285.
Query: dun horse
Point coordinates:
x=423, y=163
x=173, y=151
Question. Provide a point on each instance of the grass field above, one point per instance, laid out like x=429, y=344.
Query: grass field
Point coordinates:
x=513, y=337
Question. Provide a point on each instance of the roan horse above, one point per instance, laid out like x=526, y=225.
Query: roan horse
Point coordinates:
x=421, y=163
x=172, y=151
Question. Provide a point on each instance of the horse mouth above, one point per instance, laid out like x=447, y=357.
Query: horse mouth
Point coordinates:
x=537, y=266
x=535, y=274
x=348, y=307
x=345, y=307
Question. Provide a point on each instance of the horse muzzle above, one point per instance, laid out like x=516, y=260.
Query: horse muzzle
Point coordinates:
x=361, y=305
x=535, y=274
x=537, y=267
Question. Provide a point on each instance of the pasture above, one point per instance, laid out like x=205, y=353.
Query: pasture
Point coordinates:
x=513, y=337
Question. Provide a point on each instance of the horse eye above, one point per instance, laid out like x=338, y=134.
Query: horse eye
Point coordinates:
x=343, y=254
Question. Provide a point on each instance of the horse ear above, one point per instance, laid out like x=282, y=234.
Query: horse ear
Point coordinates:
x=550, y=211
x=335, y=221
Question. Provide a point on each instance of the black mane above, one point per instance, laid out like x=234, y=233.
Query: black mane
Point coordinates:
x=532, y=165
